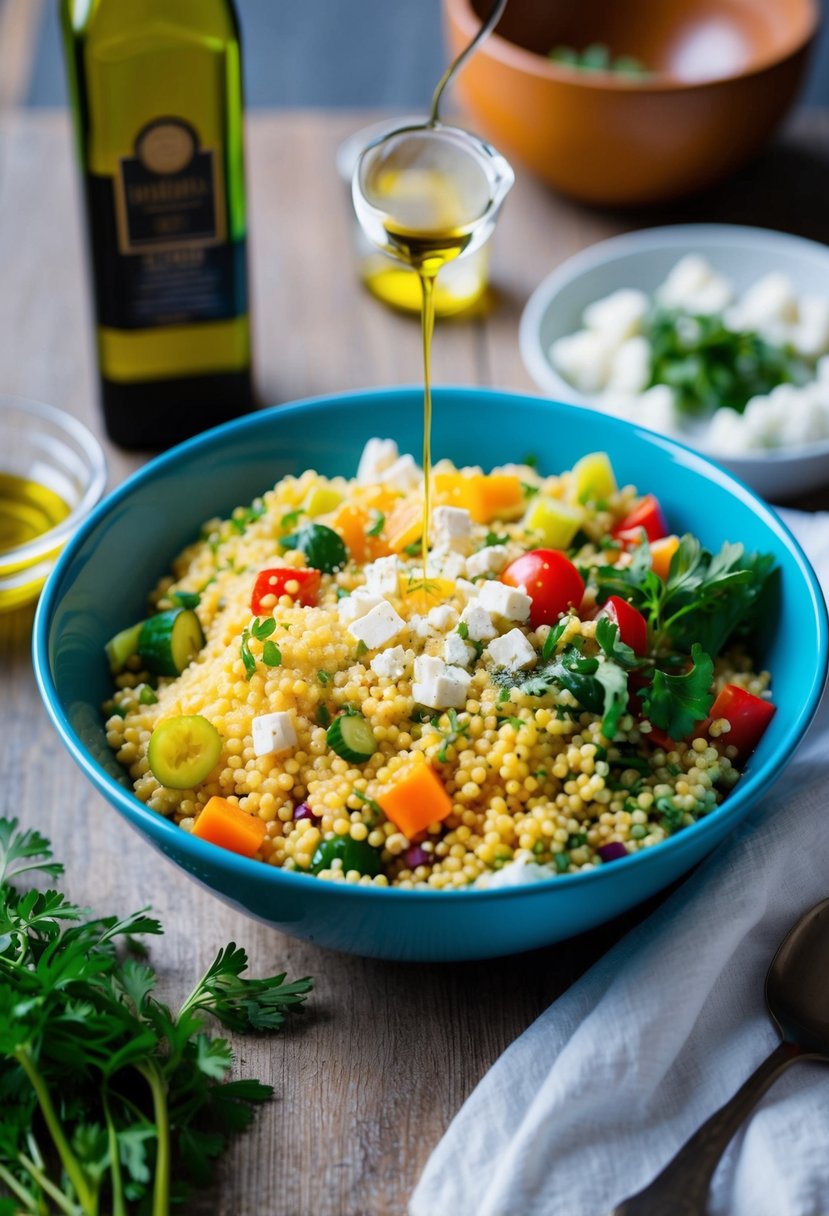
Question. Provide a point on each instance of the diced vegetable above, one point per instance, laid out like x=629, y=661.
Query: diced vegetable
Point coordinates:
x=183, y=751
x=633, y=630
x=351, y=737
x=170, y=640
x=421, y=596
x=302, y=585
x=748, y=717
x=122, y=647
x=322, y=547
x=662, y=552
x=354, y=854
x=647, y=515
x=550, y=580
x=416, y=799
x=228, y=826
x=320, y=500
x=593, y=478
x=484, y=496
x=353, y=524
x=404, y=525
x=612, y=851
x=554, y=522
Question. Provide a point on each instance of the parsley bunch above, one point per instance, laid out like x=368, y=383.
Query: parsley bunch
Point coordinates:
x=111, y=1101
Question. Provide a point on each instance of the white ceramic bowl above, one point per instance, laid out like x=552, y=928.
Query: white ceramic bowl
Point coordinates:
x=643, y=260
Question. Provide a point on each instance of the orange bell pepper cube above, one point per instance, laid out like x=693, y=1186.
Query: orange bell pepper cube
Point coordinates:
x=662, y=552
x=415, y=799
x=353, y=523
x=484, y=496
x=227, y=825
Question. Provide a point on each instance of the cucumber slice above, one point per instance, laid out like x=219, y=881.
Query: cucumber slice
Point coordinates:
x=122, y=647
x=322, y=547
x=170, y=640
x=351, y=737
x=184, y=751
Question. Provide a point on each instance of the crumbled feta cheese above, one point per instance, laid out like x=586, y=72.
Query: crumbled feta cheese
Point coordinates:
x=468, y=591
x=512, y=650
x=420, y=626
x=810, y=337
x=451, y=528
x=381, y=575
x=769, y=305
x=389, y=664
x=444, y=563
x=478, y=622
x=583, y=358
x=379, y=625
x=403, y=475
x=456, y=651
x=273, y=733
x=504, y=601
x=630, y=368
x=618, y=315
x=442, y=618
x=693, y=286
x=514, y=874
x=489, y=560
x=378, y=455
x=438, y=685
x=353, y=606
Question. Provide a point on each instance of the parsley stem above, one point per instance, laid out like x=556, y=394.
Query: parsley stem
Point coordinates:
x=46, y=1184
x=154, y=1077
x=119, y=1207
x=74, y=1169
x=9, y=1180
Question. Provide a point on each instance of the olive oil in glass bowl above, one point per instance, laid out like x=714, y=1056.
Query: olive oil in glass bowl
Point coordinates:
x=52, y=473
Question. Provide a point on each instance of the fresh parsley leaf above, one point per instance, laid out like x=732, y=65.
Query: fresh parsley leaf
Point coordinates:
x=378, y=525
x=271, y=654
x=675, y=703
x=463, y=629
x=261, y=629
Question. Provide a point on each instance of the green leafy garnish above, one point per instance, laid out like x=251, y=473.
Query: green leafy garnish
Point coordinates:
x=243, y=516
x=455, y=731
x=676, y=703
x=271, y=654
x=261, y=629
x=112, y=1101
x=378, y=525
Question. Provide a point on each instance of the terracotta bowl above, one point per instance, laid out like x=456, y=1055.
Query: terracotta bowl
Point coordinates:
x=720, y=75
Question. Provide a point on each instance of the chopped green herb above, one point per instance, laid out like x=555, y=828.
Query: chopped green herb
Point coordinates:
x=361, y=649
x=271, y=654
x=463, y=629
x=677, y=703
x=414, y=548
x=378, y=525
x=323, y=716
x=493, y=538
x=147, y=696
x=323, y=677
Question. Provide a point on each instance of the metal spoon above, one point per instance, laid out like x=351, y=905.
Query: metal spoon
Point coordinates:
x=488, y=26
x=797, y=997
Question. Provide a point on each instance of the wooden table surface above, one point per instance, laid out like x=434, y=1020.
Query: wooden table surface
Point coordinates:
x=368, y=1081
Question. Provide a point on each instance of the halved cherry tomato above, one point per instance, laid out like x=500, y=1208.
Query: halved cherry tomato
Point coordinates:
x=550, y=580
x=646, y=514
x=633, y=630
x=279, y=581
x=748, y=717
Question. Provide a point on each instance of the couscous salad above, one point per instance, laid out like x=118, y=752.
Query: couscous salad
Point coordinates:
x=552, y=681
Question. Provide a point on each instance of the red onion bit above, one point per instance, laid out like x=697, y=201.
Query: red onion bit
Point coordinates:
x=612, y=851
x=303, y=811
x=416, y=856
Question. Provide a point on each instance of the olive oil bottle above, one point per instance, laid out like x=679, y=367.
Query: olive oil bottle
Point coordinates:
x=156, y=87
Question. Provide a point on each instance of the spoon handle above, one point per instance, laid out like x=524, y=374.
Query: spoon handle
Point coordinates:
x=682, y=1187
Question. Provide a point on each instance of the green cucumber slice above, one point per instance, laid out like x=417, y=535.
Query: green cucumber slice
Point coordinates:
x=351, y=737
x=183, y=751
x=170, y=640
x=122, y=647
x=322, y=547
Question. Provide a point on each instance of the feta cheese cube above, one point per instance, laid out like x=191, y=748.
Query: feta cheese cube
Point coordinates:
x=442, y=618
x=273, y=733
x=478, y=622
x=444, y=563
x=353, y=606
x=381, y=575
x=456, y=651
x=389, y=664
x=378, y=455
x=618, y=315
x=490, y=560
x=468, y=591
x=693, y=286
x=438, y=685
x=630, y=369
x=451, y=528
x=420, y=626
x=404, y=474
x=583, y=358
x=504, y=601
x=379, y=625
x=512, y=650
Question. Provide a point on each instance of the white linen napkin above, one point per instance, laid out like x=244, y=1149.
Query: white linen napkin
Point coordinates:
x=589, y=1104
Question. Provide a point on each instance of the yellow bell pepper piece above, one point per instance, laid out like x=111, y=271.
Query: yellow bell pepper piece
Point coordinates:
x=554, y=522
x=593, y=478
x=320, y=500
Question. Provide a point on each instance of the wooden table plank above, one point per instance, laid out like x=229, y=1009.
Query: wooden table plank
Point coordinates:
x=368, y=1081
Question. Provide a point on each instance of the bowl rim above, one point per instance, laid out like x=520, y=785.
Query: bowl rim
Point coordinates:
x=161, y=831
x=95, y=468
x=511, y=55
x=642, y=240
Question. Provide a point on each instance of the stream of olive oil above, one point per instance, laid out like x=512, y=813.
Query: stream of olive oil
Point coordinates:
x=432, y=213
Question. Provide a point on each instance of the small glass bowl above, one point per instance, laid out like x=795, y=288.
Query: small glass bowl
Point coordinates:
x=52, y=473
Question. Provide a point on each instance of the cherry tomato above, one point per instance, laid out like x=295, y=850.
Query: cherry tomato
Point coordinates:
x=646, y=514
x=276, y=582
x=551, y=581
x=748, y=716
x=633, y=630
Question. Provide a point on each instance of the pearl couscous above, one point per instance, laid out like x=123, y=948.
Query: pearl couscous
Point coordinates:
x=369, y=720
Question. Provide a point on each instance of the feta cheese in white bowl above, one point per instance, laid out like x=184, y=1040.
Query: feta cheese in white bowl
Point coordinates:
x=582, y=340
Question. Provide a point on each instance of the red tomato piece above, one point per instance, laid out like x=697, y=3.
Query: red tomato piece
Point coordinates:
x=748, y=716
x=647, y=515
x=279, y=581
x=550, y=580
x=633, y=630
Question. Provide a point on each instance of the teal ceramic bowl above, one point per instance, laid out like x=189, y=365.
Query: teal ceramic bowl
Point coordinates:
x=102, y=577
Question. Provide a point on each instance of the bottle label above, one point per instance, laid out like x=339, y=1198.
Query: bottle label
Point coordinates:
x=160, y=244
